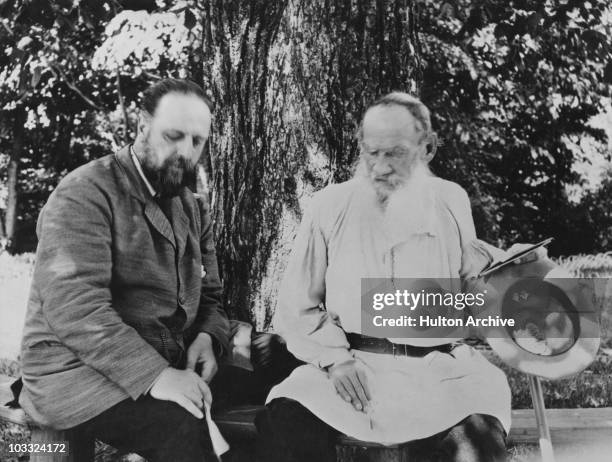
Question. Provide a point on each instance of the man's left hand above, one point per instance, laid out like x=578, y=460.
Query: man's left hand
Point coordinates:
x=263, y=345
x=202, y=351
x=538, y=254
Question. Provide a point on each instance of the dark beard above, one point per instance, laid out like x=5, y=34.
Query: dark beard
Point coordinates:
x=165, y=179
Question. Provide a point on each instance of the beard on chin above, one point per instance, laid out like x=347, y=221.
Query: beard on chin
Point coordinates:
x=387, y=187
x=172, y=176
x=410, y=209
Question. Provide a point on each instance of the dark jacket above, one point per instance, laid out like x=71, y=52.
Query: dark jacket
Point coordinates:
x=114, y=284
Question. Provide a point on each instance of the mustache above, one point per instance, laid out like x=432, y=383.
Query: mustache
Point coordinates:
x=183, y=163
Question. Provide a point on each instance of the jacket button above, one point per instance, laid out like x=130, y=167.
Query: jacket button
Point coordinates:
x=181, y=301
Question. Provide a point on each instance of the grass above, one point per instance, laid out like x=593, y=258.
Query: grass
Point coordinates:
x=590, y=388
x=12, y=434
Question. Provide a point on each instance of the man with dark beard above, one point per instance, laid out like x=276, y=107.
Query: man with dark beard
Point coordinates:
x=124, y=323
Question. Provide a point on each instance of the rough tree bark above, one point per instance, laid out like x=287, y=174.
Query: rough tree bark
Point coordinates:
x=12, y=203
x=249, y=161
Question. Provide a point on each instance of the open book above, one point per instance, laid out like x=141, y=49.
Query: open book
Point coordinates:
x=514, y=257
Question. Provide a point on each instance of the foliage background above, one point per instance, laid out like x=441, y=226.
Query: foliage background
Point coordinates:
x=519, y=91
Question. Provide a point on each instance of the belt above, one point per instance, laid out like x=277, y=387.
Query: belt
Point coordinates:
x=384, y=346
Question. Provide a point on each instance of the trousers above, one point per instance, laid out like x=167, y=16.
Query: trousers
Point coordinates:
x=291, y=433
x=156, y=430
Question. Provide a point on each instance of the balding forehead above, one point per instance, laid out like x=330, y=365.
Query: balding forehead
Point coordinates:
x=390, y=119
x=175, y=102
x=184, y=112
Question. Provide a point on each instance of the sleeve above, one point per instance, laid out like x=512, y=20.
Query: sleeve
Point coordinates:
x=211, y=317
x=476, y=255
x=73, y=274
x=311, y=333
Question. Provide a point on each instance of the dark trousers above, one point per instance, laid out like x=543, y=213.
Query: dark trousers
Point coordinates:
x=233, y=386
x=156, y=430
x=291, y=433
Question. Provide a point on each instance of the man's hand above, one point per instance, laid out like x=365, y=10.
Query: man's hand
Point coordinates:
x=201, y=351
x=262, y=348
x=184, y=388
x=351, y=383
x=538, y=254
x=477, y=256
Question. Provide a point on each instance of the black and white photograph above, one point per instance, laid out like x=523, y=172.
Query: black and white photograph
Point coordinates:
x=305, y=231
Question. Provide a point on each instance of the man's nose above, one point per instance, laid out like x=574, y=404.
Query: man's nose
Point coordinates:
x=186, y=148
x=381, y=166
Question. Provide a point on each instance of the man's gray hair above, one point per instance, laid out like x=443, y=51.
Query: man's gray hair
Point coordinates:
x=414, y=105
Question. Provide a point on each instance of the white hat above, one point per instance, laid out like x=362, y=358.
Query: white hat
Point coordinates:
x=556, y=332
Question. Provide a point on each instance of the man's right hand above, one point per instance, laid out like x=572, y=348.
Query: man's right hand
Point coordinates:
x=351, y=383
x=184, y=387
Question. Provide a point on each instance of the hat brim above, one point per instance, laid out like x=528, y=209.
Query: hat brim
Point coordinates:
x=583, y=349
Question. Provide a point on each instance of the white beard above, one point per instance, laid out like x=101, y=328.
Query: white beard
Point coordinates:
x=411, y=209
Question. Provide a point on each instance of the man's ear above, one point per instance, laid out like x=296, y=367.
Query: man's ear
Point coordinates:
x=144, y=121
x=431, y=146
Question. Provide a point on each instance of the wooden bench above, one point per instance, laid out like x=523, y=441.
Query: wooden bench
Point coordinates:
x=567, y=426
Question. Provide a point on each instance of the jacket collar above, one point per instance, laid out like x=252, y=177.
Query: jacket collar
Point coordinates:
x=135, y=184
x=136, y=163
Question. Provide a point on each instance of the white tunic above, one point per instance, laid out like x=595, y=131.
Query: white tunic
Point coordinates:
x=343, y=238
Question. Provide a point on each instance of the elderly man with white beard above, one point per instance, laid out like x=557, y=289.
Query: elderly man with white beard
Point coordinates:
x=393, y=219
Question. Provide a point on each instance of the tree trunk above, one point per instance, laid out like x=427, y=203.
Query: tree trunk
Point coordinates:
x=12, y=203
x=2, y=230
x=249, y=141
x=288, y=76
